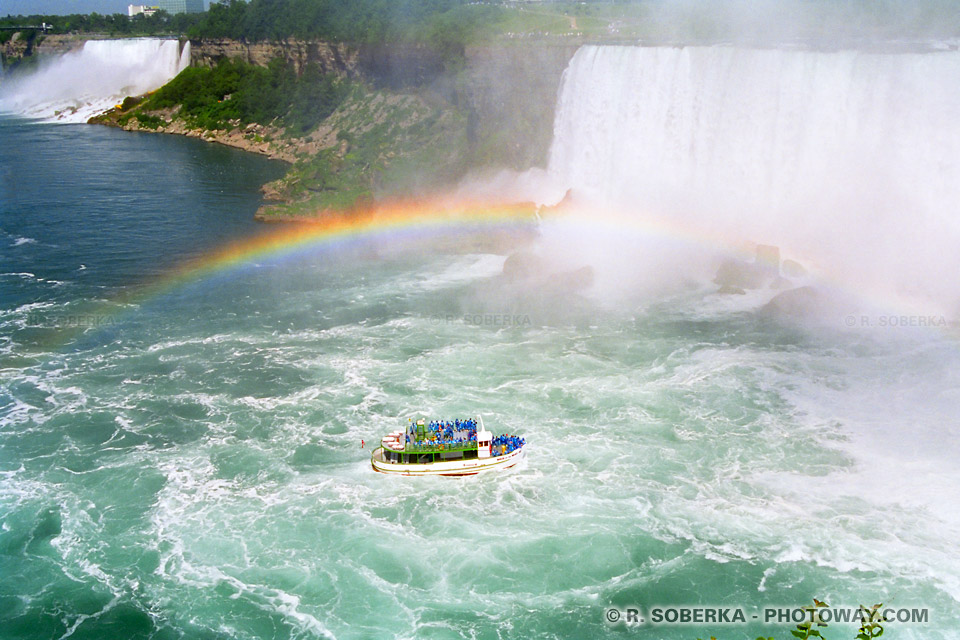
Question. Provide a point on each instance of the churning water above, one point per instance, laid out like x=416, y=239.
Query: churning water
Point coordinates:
x=190, y=465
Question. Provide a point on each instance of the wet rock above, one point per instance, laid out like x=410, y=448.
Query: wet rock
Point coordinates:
x=779, y=283
x=736, y=274
x=575, y=280
x=729, y=290
x=800, y=304
x=768, y=256
x=522, y=265
x=793, y=269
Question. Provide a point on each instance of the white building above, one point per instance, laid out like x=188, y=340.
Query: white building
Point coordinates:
x=138, y=9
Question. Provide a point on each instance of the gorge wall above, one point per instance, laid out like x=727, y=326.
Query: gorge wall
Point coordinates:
x=508, y=90
x=510, y=94
x=26, y=44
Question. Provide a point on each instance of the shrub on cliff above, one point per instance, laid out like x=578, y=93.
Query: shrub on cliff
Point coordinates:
x=235, y=90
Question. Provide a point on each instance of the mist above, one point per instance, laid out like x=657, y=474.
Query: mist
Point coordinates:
x=829, y=130
x=817, y=23
x=80, y=84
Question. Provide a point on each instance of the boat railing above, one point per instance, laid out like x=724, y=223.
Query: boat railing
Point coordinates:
x=440, y=447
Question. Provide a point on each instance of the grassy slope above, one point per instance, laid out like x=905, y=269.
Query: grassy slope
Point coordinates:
x=376, y=143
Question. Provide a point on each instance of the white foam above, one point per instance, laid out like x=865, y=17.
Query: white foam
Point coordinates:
x=78, y=85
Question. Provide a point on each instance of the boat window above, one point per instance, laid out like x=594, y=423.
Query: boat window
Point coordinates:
x=471, y=454
x=425, y=458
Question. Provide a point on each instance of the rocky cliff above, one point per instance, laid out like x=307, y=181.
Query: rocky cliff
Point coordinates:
x=393, y=66
x=14, y=49
x=510, y=93
x=25, y=44
x=508, y=90
x=335, y=58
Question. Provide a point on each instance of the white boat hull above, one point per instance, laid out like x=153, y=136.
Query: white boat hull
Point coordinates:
x=446, y=467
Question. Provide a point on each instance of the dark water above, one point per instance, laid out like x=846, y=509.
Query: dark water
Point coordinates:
x=97, y=207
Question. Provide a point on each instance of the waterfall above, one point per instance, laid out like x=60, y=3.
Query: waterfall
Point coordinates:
x=77, y=85
x=849, y=155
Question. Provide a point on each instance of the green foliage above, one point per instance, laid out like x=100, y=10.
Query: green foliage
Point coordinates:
x=356, y=21
x=386, y=144
x=129, y=103
x=315, y=97
x=117, y=24
x=445, y=26
x=449, y=33
x=235, y=90
x=870, y=628
x=148, y=121
x=809, y=628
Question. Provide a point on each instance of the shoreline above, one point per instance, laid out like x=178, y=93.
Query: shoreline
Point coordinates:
x=254, y=138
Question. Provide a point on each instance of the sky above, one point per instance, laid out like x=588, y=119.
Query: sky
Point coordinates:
x=63, y=7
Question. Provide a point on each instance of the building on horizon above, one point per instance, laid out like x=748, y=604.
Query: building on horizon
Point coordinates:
x=181, y=6
x=138, y=9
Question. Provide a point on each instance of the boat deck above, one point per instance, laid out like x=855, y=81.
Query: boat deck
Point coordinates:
x=458, y=447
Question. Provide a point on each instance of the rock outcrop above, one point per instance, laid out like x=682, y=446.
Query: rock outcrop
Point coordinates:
x=24, y=44
x=522, y=265
x=808, y=306
x=255, y=138
x=510, y=94
x=799, y=303
x=339, y=59
x=528, y=268
x=14, y=49
x=736, y=276
x=793, y=269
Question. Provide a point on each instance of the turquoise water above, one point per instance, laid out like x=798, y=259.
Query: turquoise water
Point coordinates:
x=192, y=466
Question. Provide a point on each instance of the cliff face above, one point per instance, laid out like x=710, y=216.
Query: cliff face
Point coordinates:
x=26, y=44
x=393, y=66
x=331, y=58
x=62, y=43
x=508, y=90
x=14, y=49
x=510, y=93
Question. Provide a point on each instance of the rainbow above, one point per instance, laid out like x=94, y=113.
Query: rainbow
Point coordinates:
x=400, y=221
x=392, y=222
x=432, y=219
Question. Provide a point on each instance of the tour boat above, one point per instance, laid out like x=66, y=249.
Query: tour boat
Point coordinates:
x=445, y=448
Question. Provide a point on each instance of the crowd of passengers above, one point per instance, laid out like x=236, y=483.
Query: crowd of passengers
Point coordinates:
x=459, y=433
x=446, y=432
x=502, y=445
